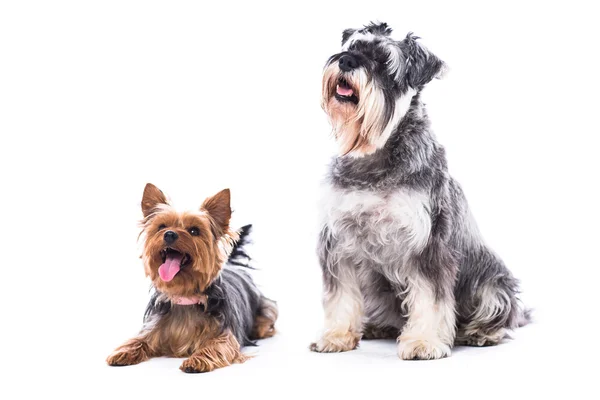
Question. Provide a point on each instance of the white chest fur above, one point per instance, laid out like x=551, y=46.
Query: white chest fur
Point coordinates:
x=382, y=227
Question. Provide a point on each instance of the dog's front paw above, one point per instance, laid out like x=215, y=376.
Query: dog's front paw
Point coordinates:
x=195, y=365
x=132, y=352
x=336, y=342
x=420, y=349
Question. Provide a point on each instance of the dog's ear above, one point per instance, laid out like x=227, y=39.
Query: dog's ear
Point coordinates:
x=346, y=35
x=152, y=197
x=219, y=208
x=421, y=65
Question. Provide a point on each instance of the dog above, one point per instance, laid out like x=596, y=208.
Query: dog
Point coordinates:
x=400, y=252
x=204, y=305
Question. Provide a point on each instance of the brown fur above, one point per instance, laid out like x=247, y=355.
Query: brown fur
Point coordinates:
x=134, y=351
x=264, y=324
x=208, y=250
x=184, y=331
x=218, y=352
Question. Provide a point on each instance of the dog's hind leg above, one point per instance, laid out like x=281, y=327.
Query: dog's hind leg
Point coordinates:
x=486, y=298
x=496, y=310
x=264, y=322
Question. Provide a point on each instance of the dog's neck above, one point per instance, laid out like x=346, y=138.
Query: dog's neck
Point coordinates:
x=410, y=150
x=188, y=301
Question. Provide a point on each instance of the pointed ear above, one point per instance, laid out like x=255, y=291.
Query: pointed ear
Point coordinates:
x=152, y=197
x=219, y=208
x=421, y=65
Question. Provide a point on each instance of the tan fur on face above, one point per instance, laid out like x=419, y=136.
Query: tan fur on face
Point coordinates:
x=356, y=127
x=208, y=250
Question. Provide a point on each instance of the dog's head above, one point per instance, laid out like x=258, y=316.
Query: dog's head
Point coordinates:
x=184, y=251
x=369, y=85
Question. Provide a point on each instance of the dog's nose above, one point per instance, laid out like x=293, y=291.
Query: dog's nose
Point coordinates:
x=347, y=63
x=170, y=237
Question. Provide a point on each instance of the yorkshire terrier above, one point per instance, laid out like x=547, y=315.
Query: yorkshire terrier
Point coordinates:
x=204, y=305
x=401, y=254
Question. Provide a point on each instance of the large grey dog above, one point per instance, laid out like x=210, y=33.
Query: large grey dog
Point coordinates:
x=401, y=254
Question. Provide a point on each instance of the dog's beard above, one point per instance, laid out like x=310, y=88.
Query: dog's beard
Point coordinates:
x=357, y=123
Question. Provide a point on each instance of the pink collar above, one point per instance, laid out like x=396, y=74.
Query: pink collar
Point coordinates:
x=188, y=301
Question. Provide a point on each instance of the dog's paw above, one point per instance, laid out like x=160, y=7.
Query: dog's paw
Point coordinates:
x=196, y=365
x=420, y=349
x=131, y=353
x=123, y=357
x=335, y=342
x=481, y=339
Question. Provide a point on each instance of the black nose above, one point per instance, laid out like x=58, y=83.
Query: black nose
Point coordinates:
x=347, y=63
x=170, y=237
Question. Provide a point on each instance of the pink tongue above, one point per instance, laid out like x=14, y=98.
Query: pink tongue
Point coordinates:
x=170, y=268
x=344, y=91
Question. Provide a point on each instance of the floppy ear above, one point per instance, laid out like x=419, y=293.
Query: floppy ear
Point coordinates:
x=421, y=65
x=219, y=208
x=152, y=197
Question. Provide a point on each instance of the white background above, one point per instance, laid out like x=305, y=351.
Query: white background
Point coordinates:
x=98, y=98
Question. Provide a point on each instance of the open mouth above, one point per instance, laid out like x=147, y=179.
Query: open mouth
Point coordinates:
x=173, y=261
x=344, y=92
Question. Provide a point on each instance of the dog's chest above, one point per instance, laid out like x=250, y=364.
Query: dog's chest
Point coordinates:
x=376, y=226
x=182, y=330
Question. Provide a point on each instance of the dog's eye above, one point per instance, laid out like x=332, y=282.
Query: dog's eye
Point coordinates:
x=194, y=231
x=161, y=227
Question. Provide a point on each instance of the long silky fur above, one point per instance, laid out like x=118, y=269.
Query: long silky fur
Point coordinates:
x=233, y=298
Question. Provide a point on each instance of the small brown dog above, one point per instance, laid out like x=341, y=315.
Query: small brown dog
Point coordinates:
x=205, y=305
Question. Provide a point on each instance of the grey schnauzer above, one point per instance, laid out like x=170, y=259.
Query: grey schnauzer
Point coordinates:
x=400, y=251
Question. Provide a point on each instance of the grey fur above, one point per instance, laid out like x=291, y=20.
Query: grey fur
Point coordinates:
x=464, y=273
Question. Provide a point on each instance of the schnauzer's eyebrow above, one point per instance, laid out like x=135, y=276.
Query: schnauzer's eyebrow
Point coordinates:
x=363, y=37
x=394, y=59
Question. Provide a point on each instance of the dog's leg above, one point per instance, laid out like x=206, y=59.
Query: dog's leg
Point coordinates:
x=429, y=304
x=497, y=310
x=215, y=353
x=264, y=322
x=132, y=352
x=488, y=305
x=343, y=306
x=430, y=329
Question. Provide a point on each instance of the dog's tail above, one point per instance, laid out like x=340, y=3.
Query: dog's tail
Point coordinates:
x=238, y=255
